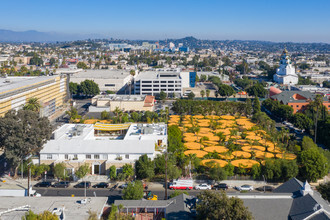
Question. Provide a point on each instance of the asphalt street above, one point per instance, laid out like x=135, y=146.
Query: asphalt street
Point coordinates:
x=113, y=194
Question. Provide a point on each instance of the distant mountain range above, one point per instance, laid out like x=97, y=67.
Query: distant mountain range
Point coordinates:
x=191, y=42
x=36, y=36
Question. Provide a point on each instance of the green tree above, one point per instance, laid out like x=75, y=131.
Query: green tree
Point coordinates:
x=105, y=115
x=52, y=61
x=191, y=95
x=307, y=143
x=82, y=171
x=313, y=164
x=162, y=96
x=128, y=171
x=32, y=104
x=46, y=215
x=248, y=108
x=59, y=170
x=301, y=121
x=324, y=189
x=112, y=172
x=73, y=113
x=82, y=65
x=177, y=193
x=133, y=191
x=217, y=173
x=144, y=167
x=256, y=105
x=225, y=90
x=202, y=93
x=214, y=205
x=207, y=93
x=257, y=90
x=23, y=133
x=89, y=88
x=73, y=87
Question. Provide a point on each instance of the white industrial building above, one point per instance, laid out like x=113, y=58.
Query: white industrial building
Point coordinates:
x=103, y=145
x=112, y=80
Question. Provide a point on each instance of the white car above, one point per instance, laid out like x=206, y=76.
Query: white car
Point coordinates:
x=203, y=186
x=245, y=188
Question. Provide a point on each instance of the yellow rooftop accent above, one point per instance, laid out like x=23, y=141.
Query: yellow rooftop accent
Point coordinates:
x=111, y=127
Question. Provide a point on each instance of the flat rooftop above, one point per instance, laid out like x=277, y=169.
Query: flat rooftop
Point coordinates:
x=11, y=83
x=158, y=75
x=113, y=97
x=80, y=138
x=102, y=74
x=73, y=209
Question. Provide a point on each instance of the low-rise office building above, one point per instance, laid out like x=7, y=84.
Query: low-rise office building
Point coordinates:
x=125, y=103
x=51, y=91
x=153, y=82
x=112, y=80
x=103, y=145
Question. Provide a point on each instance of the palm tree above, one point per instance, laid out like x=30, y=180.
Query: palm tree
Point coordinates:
x=132, y=72
x=32, y=104
x=317, y=105
x=202, y=93
x=221, y=136
x=207, y=93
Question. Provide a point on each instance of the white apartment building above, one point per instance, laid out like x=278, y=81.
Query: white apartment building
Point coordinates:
x=153, y=82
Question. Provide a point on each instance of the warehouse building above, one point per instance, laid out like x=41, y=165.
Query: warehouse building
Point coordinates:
x=112, y=80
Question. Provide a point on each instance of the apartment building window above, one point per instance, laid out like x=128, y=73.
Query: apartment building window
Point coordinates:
x=49, y=156
x=170, y=89
x=163, y=81
x=126, y=156
x=146, y=86
x=163, y=89
x=297, y=106
x=170, y=85
x=104, y=156
x=109, y=85
x=162, y=85
x=170, y=81
x=146, y=81
x=156, y=81
x=75, y=157
x=96, y=156
x=66, y=156
x=88, y=156
x=146, y=89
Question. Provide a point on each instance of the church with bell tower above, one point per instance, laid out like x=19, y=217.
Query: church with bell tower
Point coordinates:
x=286, y=73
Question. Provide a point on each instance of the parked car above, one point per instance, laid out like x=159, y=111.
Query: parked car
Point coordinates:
x=203, y=186
x=265, y=188
x=245, y=188
x=101, y=185
x=83, y=184
x=123, y=186
x=222, y=186
x=43, y=184
x=62, y=184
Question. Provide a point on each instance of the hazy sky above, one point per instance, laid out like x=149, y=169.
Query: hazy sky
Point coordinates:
x=280, y=20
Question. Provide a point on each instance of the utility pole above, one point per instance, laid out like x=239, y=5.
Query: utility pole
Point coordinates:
x=166, y=174
x=29, y=176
